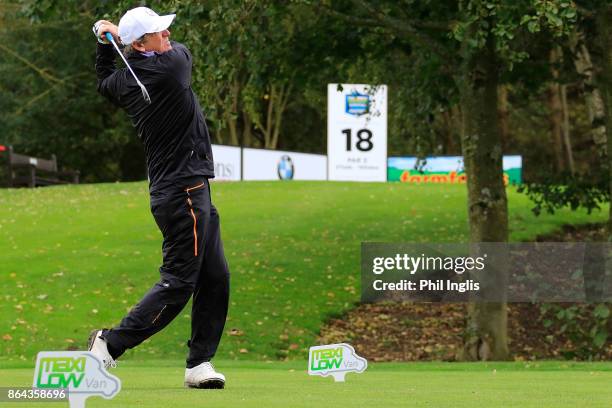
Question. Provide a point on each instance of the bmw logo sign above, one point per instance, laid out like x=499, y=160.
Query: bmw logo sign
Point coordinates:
x=285, y=168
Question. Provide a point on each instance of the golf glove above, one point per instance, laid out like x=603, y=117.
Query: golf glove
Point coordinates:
x=97, y=33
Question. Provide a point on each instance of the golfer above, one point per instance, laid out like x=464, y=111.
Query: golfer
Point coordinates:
x=180, y=164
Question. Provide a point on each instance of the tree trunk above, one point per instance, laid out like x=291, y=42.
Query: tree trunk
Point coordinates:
x=219, y=135
x=555, y=112
x=281, y=106
x=232, y=118
x=567, y=142
x=486, y=333
x=232, y=126
x=449, y=139
x=504, y=115
x=247, y=131
x=604, y=31
x=267, y=128
x=593, y=98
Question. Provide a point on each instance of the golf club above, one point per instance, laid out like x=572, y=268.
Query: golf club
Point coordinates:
x=145, y=94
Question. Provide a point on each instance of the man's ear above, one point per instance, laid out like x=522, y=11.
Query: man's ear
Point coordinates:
x=138, y=46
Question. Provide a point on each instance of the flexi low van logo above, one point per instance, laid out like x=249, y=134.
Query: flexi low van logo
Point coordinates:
x=80, y=372
x=335, y=360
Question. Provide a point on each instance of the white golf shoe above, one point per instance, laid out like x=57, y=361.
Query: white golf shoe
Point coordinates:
x=97, y=346
x=204, y=376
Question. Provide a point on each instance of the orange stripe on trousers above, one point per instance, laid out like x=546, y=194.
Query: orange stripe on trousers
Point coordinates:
x=195, y=229
x=195, y=221
x=194, y=187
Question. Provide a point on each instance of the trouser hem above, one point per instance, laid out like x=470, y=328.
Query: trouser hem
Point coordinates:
x=195, y=363
x=114, y=346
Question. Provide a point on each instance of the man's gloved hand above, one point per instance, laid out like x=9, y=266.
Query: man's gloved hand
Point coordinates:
x=101, y=27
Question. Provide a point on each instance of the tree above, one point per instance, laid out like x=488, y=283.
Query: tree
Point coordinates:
x=49, y=99
x=247, y=65
x=604, y=36
x=473, y=42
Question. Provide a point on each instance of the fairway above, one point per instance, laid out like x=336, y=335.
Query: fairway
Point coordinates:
x=74, y=258
x=256, y=384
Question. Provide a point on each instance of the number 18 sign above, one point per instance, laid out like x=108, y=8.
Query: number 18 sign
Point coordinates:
x=357, y=132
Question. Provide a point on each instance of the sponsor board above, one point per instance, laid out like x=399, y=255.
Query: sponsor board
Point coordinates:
x=227, y=162
x=335, y=360
x=261, y=164
x=357, y=132
x=448, y=169
x=80, y=372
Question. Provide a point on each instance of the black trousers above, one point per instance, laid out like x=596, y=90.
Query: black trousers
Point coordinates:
x=193, y=264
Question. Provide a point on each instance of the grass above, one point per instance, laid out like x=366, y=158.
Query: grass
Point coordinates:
x=259, y=384
x=73, y=258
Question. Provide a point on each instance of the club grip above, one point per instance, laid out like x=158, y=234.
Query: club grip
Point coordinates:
x=108, y=36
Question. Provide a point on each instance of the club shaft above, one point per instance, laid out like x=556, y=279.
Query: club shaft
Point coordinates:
x=112, y=40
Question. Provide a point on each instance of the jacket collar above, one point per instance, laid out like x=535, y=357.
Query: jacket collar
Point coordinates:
x=135, y=56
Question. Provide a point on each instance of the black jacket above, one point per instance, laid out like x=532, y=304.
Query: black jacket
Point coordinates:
x=172, y=127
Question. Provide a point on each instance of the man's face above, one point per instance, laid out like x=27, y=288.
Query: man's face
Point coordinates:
x=158, y=42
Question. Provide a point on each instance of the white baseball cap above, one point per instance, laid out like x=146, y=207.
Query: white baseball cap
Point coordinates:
x=140, y=21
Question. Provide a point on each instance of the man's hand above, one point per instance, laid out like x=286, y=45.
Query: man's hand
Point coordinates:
x=101, y=27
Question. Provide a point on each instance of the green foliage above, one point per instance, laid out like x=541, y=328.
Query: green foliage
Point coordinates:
x=425, y=44
x=509, y=22
x=584, y=325
x=567, y=191
x=245, y=52
x=49, y=100
x=245, y=49
x=556, y=16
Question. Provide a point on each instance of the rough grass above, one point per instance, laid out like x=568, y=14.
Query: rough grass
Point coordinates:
x=73, y=258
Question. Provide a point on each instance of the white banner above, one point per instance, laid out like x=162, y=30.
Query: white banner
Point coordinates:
x=260, y=164
x=227, y=162
x=357, y=132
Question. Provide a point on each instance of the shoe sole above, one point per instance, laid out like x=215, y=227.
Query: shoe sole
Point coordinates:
x=91, y=339
x=212, y=384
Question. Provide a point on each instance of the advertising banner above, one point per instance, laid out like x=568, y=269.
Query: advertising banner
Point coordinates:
x=447, y=169
x=227, y=163
x=357, y=132
x=260, y=164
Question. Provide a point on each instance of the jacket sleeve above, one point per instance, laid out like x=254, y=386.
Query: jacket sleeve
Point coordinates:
x=105, y=68
x=178, y=62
